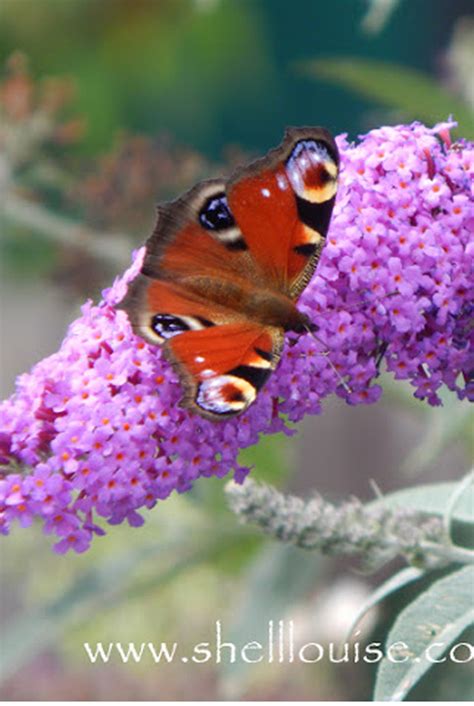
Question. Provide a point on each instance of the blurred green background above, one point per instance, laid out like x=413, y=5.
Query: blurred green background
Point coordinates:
x=159, y=94
x=218, y=71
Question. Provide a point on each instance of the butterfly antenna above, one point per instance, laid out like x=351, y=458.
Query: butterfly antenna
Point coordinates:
x=325, y=353
x=380, y=356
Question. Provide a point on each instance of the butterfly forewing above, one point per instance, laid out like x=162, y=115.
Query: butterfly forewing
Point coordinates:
x=283, y=204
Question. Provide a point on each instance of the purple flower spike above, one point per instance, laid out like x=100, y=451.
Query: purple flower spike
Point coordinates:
x=97, y=428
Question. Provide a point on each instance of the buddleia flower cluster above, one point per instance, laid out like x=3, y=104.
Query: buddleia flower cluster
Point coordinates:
x=95, y=432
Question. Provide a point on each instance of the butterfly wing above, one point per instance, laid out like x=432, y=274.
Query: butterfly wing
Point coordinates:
x=222, y=359
x=197, y=233
x=283, y=205
x=223, y=367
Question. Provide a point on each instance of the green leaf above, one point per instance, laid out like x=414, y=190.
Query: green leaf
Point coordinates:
x=433, y=499
x=395, y=86
x=394, y=583
x=427, y=628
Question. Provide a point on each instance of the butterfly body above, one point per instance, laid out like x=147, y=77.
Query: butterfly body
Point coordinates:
x=262, y=305
x=225, y=266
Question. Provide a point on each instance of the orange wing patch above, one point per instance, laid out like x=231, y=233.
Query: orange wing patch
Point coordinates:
x=224, y=367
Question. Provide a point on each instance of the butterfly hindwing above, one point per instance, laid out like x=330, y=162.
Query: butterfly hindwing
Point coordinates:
x=224, y=367
x=222, y=359
x=159, y=309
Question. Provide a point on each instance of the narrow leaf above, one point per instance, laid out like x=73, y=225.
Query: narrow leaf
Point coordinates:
x=396, y=86
x=394, y=583
x=432, y=498
x=423, y=631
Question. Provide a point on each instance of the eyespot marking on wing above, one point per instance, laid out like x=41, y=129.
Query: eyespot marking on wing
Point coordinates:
x=312, y=171
x=225, y=395
x=216, y=217
x=215, y=213
x=166, y=326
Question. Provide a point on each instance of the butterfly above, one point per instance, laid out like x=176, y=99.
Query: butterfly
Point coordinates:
x=225, y=266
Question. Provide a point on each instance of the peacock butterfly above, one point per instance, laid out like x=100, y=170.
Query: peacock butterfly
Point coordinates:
x=225, y=266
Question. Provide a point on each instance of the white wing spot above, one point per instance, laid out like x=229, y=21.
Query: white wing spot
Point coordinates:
x=266, y=193
x=199, y=359
x=208, y=373
x=282, y=182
